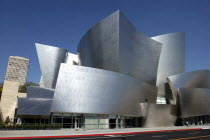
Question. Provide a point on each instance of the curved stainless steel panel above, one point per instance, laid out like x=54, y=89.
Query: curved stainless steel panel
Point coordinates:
x=38, y=92
x=99, y=47
x=159, y=115
x=89, y=90
x=50, y=59
x=138, y=54
x=115, y=44
x=194, y=102
x=33, y=107
x=172, y=57
x=194, y=79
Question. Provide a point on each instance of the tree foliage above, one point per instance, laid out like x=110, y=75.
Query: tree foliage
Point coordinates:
x=23, y=88
x=1, y=88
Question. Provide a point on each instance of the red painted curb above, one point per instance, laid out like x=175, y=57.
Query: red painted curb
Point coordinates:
x=89, y=135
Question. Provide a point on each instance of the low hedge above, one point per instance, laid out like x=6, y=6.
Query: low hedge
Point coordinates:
x=30, y=126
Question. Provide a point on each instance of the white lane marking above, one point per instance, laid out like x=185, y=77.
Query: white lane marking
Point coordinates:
x=115, y=135
x=112, y=135
x=159, y=136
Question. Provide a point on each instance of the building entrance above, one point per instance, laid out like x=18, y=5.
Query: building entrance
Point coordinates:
x=94, y=121
x=112, y=123
x=68, y=121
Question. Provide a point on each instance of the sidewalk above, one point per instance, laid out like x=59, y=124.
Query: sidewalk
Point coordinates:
x=80, y=132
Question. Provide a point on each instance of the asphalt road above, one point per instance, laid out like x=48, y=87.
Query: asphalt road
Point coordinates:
x=171, y=135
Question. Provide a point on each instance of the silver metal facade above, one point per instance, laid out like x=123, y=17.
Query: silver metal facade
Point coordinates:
x=89, y=90
x=34, y=107
x=116, y=73
x=115, y=44
x=50, y=59
x=194, y=79
x=138, y=54
x=172, y=58
x=37, y=104
x=99, y=47
x=159, y=115
x=37, y=92
x=194, y=102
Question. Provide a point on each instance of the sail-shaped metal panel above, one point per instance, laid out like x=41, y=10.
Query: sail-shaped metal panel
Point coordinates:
x=138, y=54
x=115, y=44
x=50, y=59
x=194, y=79
x=89, y=90
x=172, y=58
x=99, y=47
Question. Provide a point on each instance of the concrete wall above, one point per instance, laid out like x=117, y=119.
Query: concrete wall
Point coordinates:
x=159, y=115
x=9, y=99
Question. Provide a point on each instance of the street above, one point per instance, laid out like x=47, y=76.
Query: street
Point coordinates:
x=169, y=135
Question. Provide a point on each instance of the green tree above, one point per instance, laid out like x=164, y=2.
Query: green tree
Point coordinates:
x=23, y=88
x=1, y=89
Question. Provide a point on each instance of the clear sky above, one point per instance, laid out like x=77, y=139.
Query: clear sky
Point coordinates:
x=62, y=23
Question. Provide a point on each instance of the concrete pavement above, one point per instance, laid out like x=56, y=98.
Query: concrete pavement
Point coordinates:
x=68, y=132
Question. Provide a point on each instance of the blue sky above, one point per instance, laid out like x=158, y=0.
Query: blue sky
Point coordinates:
x=62, y=23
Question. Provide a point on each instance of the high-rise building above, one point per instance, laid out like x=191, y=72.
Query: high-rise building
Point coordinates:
x=17, y=69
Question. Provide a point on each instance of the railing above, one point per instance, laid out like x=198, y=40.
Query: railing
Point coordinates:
x=30, y=127
x=85, y=126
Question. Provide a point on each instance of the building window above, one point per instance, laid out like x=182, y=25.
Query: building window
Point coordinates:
x=161, y=100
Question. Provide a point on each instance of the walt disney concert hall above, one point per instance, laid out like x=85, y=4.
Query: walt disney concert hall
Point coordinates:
x=119, y=78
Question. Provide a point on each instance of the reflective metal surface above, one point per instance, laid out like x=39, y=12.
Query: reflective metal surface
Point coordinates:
x=194, y=79
x=115, y=44
x=99, y=47
x=49, y=60
x=116, y=72
x=37, y=92
x=138, y=54
x=159, y=115
x=89, y=90
x=34, y=107
x=172, y=58
x=71, y=59
x=194, y=102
